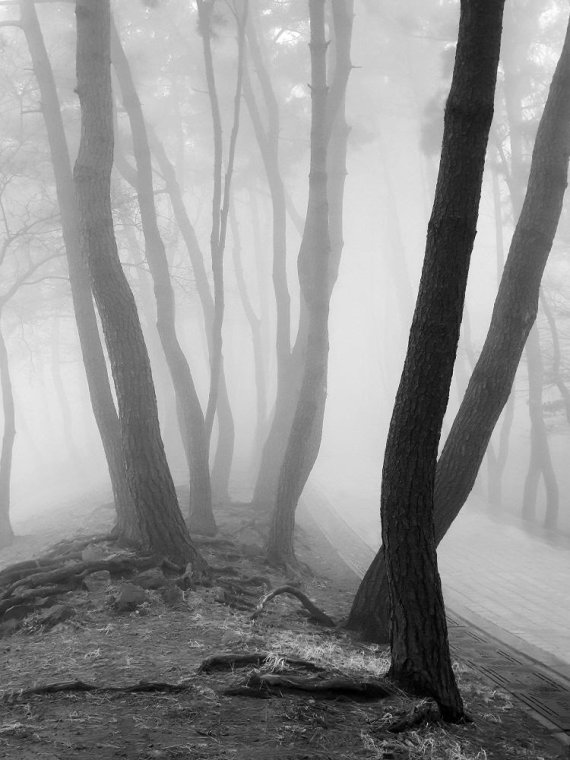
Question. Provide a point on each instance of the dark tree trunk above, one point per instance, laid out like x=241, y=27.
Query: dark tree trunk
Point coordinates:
x=8, y=438
x=91, y=349
x=194, y=436
x=314, y=271
x=162, y=529
x=421, y=660
x=513, y=316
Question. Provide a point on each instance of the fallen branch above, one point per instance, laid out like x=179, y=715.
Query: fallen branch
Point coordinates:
x=316, y=614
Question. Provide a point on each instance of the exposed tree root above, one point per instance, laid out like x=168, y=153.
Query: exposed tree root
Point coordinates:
x=318, y=686
x=316, y=614
x=233, y=660
x=73, y=686
x=426, y=711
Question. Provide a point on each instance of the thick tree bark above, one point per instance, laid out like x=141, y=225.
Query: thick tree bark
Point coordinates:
x=8, y=438
x=194, y=436
x=90, y=342
x=513, y=316
x=162, y=529
x=421, y=660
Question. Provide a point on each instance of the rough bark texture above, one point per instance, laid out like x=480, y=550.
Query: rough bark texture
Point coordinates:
x=8, y=438
x=313, y=265
x=513, y=316
x=420, y=651
x=194, y=436
x=90, y=342
x=162, y=528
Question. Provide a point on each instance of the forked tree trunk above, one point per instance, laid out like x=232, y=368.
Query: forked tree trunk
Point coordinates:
x=161, y=527
x=8, y=438
x=513, y=316
x=194, y=436
x=100, y=393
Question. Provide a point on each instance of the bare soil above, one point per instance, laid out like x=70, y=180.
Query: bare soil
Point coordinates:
x=166, y=643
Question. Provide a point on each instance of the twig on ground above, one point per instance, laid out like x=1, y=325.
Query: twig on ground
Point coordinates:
x=318, y=615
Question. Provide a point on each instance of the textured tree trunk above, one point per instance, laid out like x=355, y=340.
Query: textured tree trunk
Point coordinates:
x=161, y=527
x=90, y=342
x=421, y=660
x=6, y=532
x=194, y=436
x=513, y=316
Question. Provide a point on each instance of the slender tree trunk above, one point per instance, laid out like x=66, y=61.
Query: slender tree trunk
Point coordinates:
x=513, y=316
x=314, y=268
x=556, y=356
x=90, y=342
x=255, y=329
x=540, y=462
x=194, y=435
x=6, y=532
x=69, y=439
x=223, y=457
x=162, y=529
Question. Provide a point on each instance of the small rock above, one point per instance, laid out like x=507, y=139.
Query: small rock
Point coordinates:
x=231, y=637
x=130, y=597
x=151, y=578
x=220, y=595
x=172, y=595
x=59, y=613
x=93, y=552
x=98, y=581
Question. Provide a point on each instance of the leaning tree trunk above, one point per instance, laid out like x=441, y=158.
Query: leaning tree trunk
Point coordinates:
x=194, y=435
x=314, y=267
x=6, y=532
x=421, y=660
x=94, y=361
x=162, y=529
x=513, y=316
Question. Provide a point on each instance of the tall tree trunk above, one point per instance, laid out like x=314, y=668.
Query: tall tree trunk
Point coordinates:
x=513, y=316
x=223, y=457
x=421, y=660
x=255, y=329
x=8, y=438
x=540, y=462
x=556, y=374
x=314, y=271
x=194, y=435
x=161, y=527
x=90, y=342
x=69, y=440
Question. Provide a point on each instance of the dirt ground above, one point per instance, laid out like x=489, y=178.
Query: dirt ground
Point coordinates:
x=188, y=716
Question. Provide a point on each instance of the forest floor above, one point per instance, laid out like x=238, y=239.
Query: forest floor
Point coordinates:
x=151, y=701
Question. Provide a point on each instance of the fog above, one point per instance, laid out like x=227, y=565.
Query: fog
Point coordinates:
x=402, y=55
